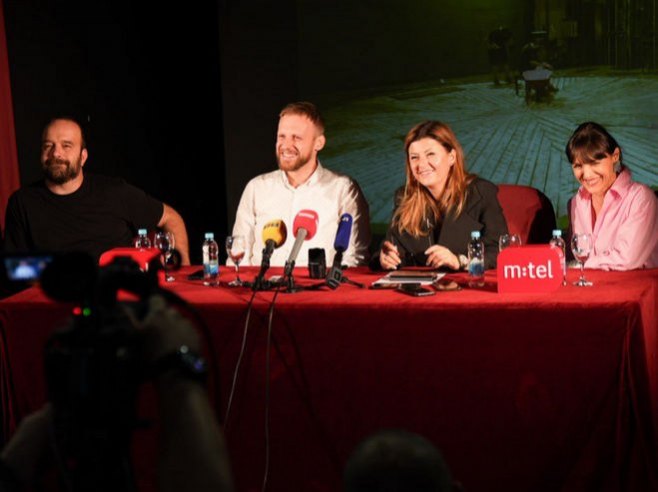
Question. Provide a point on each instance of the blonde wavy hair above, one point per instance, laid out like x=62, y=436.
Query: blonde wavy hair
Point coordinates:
x=417, y=202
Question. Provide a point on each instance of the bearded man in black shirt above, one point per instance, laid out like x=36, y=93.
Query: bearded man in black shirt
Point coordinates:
x=70, y=210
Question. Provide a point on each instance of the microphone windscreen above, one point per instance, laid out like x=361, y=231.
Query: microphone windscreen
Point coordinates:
x=343, y=233
x=306, y=219
x=276, y=231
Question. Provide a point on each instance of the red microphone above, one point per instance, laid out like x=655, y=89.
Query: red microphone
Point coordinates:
x=307, y=220
x=304, y=227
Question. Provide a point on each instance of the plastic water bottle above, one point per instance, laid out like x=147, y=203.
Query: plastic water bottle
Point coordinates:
x=557, y=242
x=142, y=240
x=475, y=260
x=210, y=251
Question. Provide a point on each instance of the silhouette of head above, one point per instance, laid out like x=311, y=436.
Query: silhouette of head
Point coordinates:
x=395, y=461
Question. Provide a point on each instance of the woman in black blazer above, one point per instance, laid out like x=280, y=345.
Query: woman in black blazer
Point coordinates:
x=440, y=205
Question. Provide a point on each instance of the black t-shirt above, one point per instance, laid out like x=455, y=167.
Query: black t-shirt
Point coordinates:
x=104, y=213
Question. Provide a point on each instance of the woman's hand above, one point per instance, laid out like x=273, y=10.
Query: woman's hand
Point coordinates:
x=438, y=256
x=389, y=257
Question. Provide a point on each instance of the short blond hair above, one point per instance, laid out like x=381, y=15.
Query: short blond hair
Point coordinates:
x=307, y=109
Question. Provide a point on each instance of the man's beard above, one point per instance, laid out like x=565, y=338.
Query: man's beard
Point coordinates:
x=60, y=171
x=298, y=163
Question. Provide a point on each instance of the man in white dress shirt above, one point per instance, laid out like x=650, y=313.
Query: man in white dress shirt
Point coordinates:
x=301, y=183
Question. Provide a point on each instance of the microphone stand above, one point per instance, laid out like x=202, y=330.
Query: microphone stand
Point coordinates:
x=346, y=280
x=289, y=280
x=260, y=283
x=263, y=284
x=335, y=276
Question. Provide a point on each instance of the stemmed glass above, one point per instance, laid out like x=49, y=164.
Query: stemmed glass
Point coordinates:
x=581, y=246
x=508, y=240
x=165, y=242
x=235, y=250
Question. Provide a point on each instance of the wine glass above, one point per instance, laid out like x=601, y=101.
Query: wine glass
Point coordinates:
x=165, y=242
x=581, y=246
x=508, y=240
x=235, y=250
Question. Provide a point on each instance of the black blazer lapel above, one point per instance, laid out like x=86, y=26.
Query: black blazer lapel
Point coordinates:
x=456, y=231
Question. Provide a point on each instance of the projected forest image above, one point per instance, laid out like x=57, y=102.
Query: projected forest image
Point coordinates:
x=512, y=78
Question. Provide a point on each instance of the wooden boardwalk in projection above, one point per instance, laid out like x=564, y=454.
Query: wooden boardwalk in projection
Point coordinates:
x=505, y=141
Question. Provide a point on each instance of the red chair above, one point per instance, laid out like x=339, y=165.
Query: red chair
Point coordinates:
x=528, y=212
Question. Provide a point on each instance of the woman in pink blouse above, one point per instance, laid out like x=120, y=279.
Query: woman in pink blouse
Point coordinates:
x=620, y=214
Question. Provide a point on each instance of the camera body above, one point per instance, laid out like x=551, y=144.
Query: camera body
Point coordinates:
x=93, y=367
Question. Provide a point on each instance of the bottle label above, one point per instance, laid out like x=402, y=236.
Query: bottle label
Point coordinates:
x=476, y=268
x=210, y=269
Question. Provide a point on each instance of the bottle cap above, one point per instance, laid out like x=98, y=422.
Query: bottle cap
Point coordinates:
x=141, y=232
x=475, y=235
x=557, y=232
x=209, y=235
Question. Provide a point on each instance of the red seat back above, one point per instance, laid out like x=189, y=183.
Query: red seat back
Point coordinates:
x=528, y=212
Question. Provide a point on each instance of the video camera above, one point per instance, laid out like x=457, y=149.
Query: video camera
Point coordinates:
x=93, y=367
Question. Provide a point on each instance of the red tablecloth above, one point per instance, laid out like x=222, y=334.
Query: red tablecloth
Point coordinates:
x=520, y=392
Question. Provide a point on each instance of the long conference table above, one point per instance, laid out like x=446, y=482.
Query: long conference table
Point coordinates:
x=520, y=392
